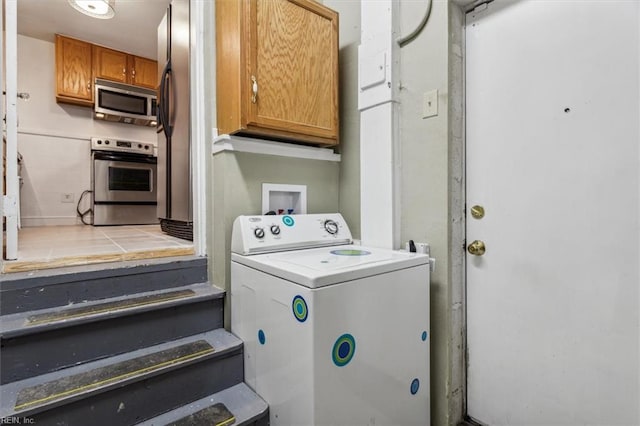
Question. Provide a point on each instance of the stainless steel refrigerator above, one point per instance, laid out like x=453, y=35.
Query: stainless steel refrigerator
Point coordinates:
x=174, y=143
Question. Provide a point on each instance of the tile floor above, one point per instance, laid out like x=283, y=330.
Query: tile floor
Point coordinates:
x=90, y=244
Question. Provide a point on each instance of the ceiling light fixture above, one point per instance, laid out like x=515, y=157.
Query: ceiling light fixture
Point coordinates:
x=101, y=9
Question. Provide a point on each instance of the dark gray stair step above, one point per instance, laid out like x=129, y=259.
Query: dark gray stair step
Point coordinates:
x=31, y=322
x=128, y=388
x=35, y=343
x=244, y=404
x=26, y=291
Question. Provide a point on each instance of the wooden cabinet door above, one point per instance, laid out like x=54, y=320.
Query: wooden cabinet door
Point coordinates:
x=73, y=71
x=110, y=64
x=293, y=57
x=144, y=72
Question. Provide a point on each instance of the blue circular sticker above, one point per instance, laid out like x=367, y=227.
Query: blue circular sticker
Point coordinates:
x=261, y=337
x=415, y=385
x=350, y=252
x=299, y=308
x=288, y=220
x=424, y=336
x=343, y=350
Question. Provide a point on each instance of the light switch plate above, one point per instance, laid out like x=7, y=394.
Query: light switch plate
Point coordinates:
x=430, y=104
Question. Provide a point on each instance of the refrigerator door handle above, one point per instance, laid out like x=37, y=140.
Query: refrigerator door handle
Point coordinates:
x=169, y=99
x=161, y=99
x=164, y=107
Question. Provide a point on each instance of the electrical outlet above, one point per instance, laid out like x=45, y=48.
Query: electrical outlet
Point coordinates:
x=430, y=104
x=66, y=197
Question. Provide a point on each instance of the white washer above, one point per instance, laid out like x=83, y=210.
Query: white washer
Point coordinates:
x=334, y=334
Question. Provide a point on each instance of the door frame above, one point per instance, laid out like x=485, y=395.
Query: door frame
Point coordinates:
x=8, y=60
x=198, y=120
x=458, y=10
x=197, y=27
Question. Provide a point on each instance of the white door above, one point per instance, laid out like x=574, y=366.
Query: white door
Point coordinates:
x=10, y=66
x=553, y=158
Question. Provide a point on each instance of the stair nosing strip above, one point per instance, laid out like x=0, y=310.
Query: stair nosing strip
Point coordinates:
x=34, y=328
x=103, y=384
x=226, y=350
x=106, y=307
x=196, y=406
x=229, y=421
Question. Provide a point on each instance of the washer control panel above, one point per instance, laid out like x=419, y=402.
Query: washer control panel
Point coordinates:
x=271, y=233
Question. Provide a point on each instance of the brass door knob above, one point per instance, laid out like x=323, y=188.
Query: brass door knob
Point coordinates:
x=477, y=248
x=477, y=212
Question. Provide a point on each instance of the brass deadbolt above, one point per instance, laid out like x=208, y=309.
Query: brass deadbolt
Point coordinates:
x=477, y=212
x=477, y=248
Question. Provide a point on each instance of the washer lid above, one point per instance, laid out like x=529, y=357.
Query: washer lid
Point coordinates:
x=331, y=265
x=332, y=259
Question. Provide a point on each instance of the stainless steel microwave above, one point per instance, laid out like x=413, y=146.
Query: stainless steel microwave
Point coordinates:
x=125, y=103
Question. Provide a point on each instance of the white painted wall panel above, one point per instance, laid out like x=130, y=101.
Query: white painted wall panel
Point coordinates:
x=377, y=177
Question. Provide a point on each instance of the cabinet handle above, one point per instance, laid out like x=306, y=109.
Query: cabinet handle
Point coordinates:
x=124, y=70
x=254, y=88
x=133, y=73
x=88, y=86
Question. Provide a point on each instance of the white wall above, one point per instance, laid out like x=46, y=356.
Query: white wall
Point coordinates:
x=349, y=115
x=431, y=191
x=54, y=139
x=431, y=187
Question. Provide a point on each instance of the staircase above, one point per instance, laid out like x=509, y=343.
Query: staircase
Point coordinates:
x=131, y=344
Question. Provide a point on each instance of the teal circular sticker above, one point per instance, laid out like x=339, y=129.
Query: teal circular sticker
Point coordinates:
x=299, y=308
x=343, y=350
x=288, y=220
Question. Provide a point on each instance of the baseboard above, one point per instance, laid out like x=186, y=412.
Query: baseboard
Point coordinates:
x=33, y=221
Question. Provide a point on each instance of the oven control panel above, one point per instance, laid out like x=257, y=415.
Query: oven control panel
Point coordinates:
x=119, y=145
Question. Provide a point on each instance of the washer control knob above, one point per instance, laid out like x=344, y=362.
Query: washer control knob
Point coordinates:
x=331, y=226
x=275, y=229
x=99, y=141
x=106, y=142
x=259, y=233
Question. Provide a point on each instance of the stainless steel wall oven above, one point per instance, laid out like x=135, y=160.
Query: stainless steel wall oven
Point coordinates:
x=124, y=180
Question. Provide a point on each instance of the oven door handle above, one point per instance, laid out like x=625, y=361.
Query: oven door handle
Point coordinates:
x=107, y=156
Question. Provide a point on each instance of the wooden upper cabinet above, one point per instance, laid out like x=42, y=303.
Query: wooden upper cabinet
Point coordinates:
x=124, y=68
x=74, y=71
x=144, y=72
x=78, y=63
x=277, y=69
x=110, y=64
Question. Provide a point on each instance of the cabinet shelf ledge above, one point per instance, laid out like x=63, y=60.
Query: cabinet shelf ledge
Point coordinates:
x=223, y=143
